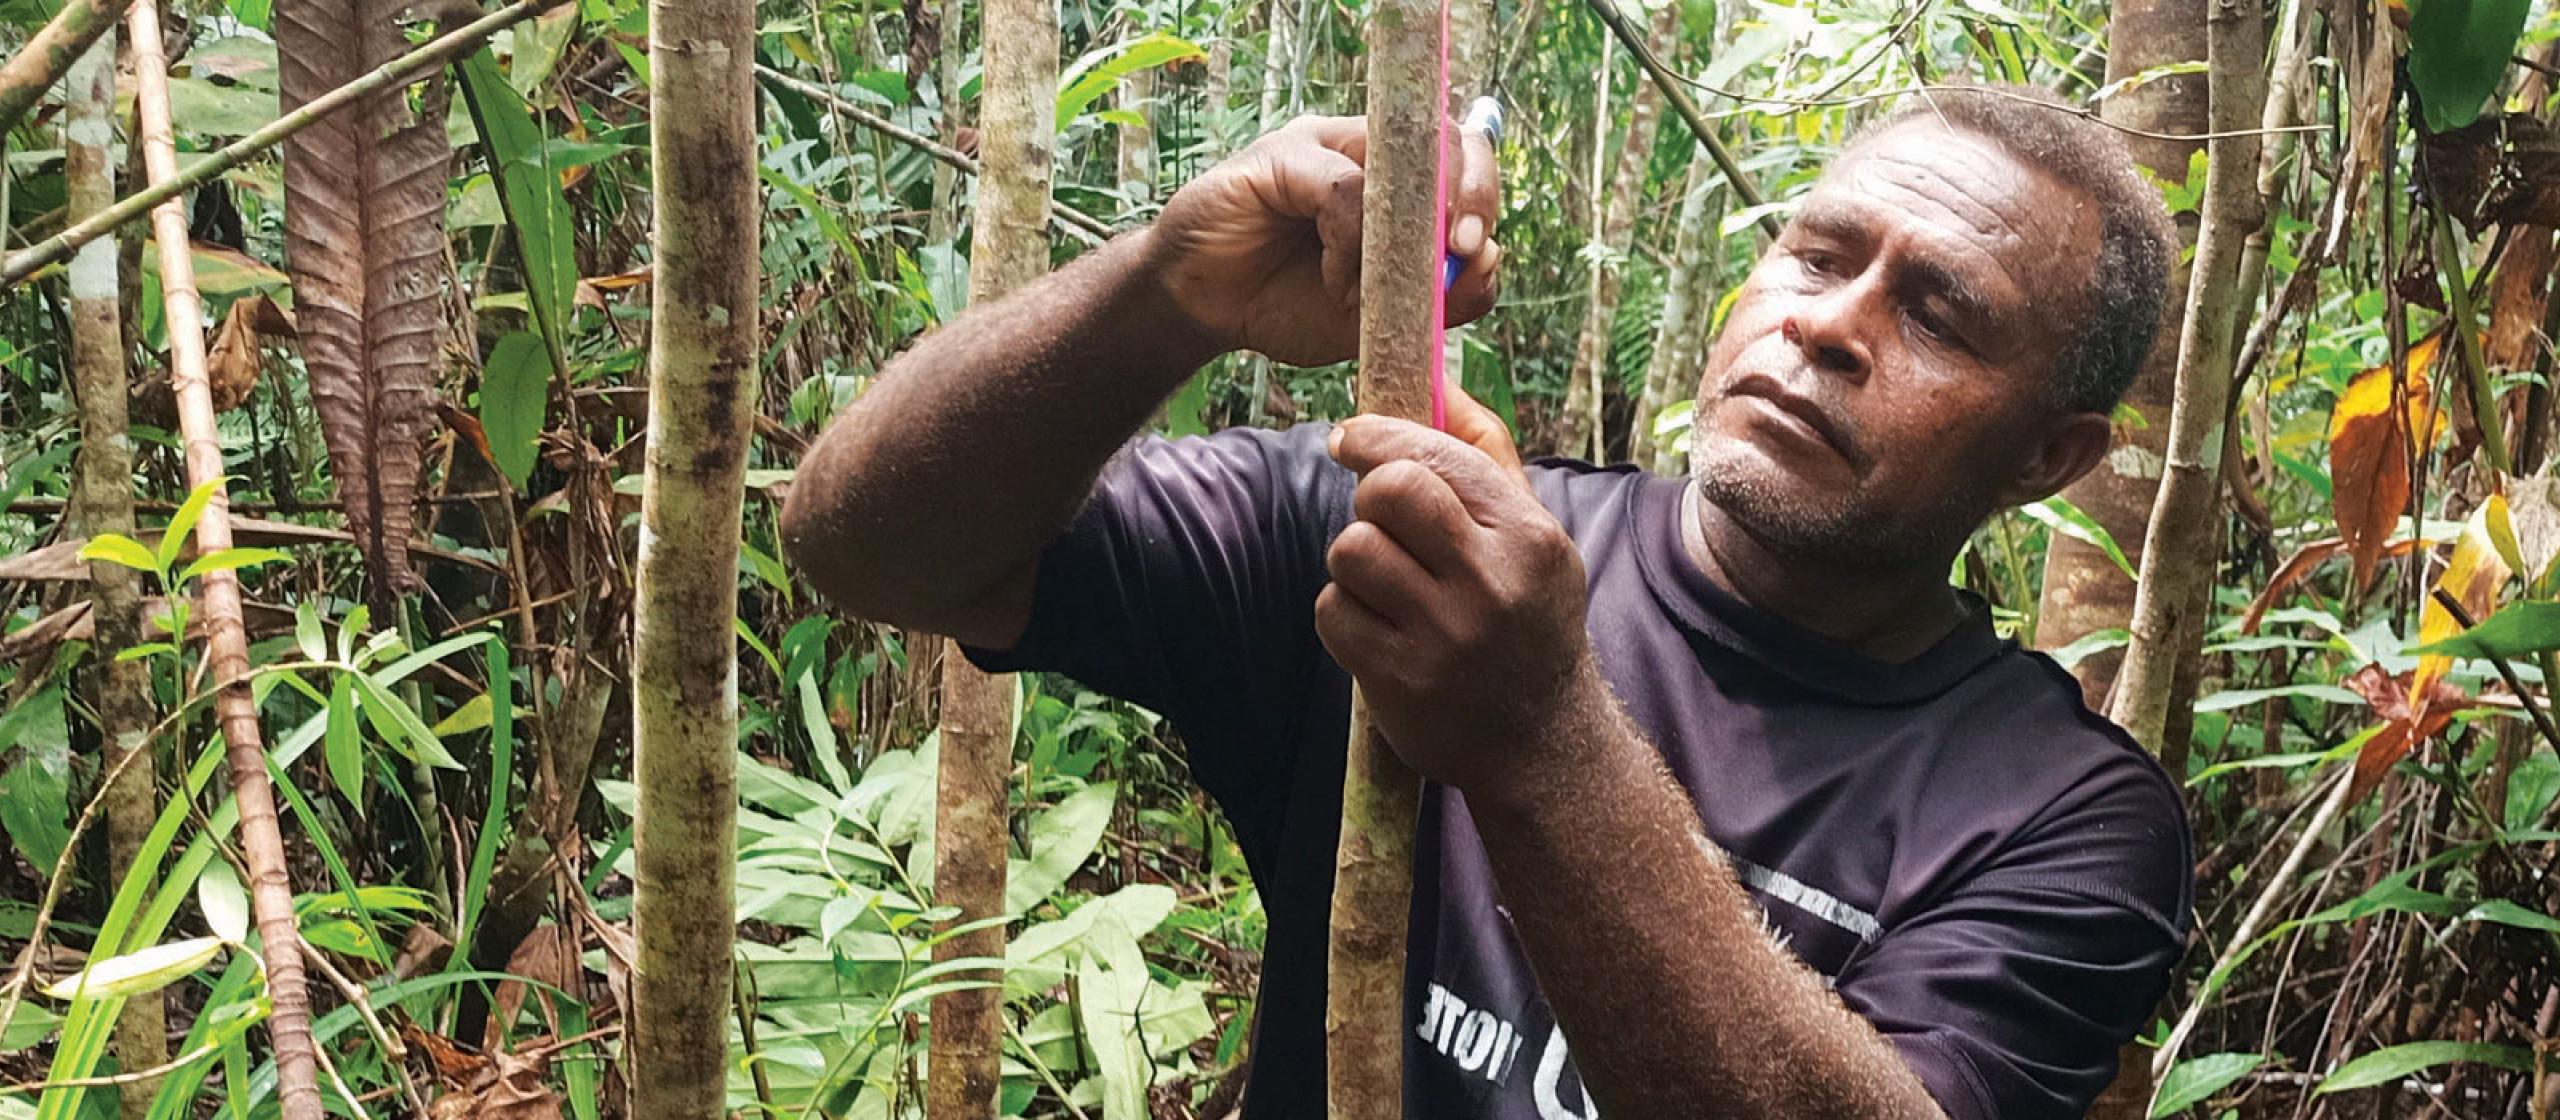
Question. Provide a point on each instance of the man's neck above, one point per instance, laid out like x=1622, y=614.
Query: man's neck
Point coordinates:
x=1890, y=613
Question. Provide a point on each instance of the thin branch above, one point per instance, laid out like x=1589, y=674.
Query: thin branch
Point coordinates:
x=398, y=71
x=1743, y=186
x=2506, y=672
x=1084, y=227
x=49, y=55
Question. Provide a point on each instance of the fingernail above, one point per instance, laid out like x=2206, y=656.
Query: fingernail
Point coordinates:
x=1468, y=238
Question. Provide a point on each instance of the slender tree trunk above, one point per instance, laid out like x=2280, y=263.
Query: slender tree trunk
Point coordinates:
x=226, y=641
x=1400, y=300
x=1694, y=260
x=2180, y=552
x=1018, y=115
x=120, y=690
x=702, y=400
x=55, y=47
x=943, y=227
x=1586, y=389
x=1278, y=50
x=2084, y=593
x=1138, y=141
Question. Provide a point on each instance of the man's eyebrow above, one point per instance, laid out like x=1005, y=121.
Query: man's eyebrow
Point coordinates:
x=1830, y=221
x=1934, y=278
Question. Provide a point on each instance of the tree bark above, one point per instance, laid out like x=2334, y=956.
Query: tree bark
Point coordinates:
x=1579, y=431
x=50, y=53
x=1138, y=141
x=103, y=503
x=1400, y=304
x=1018, y=120
x=2084, y=593
x=226, y=640
x=1678, y=340
x=702, y=373
x=2179, y=553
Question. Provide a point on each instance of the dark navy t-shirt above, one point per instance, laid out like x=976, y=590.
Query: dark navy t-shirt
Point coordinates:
x=1994, y=877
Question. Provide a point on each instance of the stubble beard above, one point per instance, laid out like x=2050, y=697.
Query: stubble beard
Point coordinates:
x=1850, y=532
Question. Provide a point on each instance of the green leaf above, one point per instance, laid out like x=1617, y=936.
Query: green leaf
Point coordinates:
x=116, y=548
x=2190, y=1082
x=2505, y=913
x=2516, y=630
x=2459, y=52
x=224, y=900
x=24, y=473
x=515, y=386
x=2066, y=519
x=529, y=191
x=2394, y=1062
x=31, y=1025
x=230, y=559
x=174, y=538
x=306, y=631
x=1099, y=72
x=2531, y=788
x=35, y=785
x=132, y=974
x=397, y=724
x=1061, y=839
x=343, y=748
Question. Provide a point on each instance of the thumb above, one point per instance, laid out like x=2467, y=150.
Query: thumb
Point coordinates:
x=1479, y=427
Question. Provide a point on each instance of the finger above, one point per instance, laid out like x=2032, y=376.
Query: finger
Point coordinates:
x=1490, y=494
x=1346, y=135
x=1305, y=179
x=1368, y=561
x=1338, y=227
x=1360, y=638
x=1418, y=513
x=1477, y=203
x=1481, y=428
x=1472, y=296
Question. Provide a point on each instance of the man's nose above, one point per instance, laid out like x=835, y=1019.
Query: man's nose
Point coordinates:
x=1825, y=330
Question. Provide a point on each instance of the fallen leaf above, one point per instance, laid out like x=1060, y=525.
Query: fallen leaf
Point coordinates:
x=2369, y=443
x=2405, y=723
x=232, y=366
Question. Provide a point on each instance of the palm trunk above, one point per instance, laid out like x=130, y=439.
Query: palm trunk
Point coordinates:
x=2084, y=593
x=702, y=374
x=1018, y=116
x=1586, y=390
x=226, y=640
x=1694, y=257
x=103, y=503
x=1400, y=258
x=2179, y=552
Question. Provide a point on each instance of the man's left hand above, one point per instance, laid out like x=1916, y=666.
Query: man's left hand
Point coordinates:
x=1457, y=601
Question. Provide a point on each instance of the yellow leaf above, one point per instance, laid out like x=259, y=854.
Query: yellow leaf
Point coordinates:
x=2472, y=577
x=2369, y=451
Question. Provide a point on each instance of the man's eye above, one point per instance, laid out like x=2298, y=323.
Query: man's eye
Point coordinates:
x=1932, y=324
x=1819, y=263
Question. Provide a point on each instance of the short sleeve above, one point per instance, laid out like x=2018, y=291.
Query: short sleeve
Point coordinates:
x=1187, y=584
x=2011, y=996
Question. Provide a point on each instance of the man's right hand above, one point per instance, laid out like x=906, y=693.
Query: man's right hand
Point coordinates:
x=1263, y=251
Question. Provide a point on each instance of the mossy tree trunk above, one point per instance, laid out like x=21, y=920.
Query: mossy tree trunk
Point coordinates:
x=703, y=385
x=119, y=690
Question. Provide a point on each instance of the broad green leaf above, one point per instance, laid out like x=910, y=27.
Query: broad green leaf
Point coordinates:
x=204, y=108
x=2190, y=1082
x=2459, y=52
x=2505, y=913
x=344, y=748
x=231, y=559
x=2088, y=645
x=2516, y=630
x=307, y=634
x=224, y=900
x=182, y=523
x=116, y=548
x=32, y=1024
x=35, y=778
x=2392, y=1063
x=132, y=974
x=1061, y=839
x=2531, y=788
x=2066, y=519
x=515, y=385
x=529, y=191
x=24, y=473
x=397, y=724
x=1099, y=72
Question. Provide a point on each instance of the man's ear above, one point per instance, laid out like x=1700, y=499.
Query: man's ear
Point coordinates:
x=2070, y=448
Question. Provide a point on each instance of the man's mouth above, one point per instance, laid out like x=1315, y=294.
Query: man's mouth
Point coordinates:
x=1794, y=412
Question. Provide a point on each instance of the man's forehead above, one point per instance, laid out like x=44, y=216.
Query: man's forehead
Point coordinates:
x=1961, y=192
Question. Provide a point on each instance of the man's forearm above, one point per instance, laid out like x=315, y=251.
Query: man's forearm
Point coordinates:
x=1652, y=956
x=972, y=449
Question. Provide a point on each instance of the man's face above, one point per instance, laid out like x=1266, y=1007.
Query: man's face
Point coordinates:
x=1883, y=381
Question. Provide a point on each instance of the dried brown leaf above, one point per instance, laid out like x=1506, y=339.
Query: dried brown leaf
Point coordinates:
x=364, y=212
x=232, y=367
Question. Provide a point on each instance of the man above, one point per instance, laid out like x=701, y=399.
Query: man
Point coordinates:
x=1736, y=808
